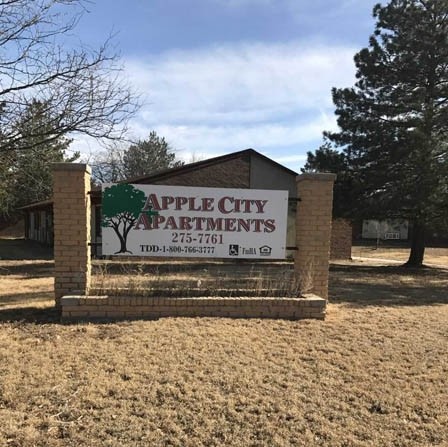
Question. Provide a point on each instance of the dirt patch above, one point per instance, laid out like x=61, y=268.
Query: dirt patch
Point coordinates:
x=432, y=255
x=373, y=374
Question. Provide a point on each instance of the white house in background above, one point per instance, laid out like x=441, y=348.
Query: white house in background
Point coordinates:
x=388, y=229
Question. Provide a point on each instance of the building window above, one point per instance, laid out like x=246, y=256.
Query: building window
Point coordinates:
x=36, y=220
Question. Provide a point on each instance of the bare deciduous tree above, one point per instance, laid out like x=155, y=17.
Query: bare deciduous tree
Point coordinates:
x=107, y=165
x=80, y=87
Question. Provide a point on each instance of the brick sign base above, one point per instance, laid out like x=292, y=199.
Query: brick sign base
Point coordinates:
x=94, y=308
x=72, y=288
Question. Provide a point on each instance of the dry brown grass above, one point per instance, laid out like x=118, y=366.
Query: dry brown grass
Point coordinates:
x=432, y=255
x=25, y=281
x=375, y=373
x=196, y=279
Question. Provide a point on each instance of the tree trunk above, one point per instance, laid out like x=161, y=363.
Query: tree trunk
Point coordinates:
x=123, y=248
x=417, y=246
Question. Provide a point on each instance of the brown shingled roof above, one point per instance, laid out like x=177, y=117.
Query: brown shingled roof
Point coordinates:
x=155, y=176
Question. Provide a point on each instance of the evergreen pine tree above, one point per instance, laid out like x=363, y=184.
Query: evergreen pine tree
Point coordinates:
x=394, y=121
x=147, y=156
x=26, y=174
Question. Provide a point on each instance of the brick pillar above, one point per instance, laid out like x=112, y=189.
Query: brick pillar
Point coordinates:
x=313, y=231
x=71, y=208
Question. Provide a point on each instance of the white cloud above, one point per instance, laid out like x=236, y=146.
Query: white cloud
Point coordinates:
x=291, y=159
x=272, y=139
x=225, y=98
x=245, y=83
x=265, y=136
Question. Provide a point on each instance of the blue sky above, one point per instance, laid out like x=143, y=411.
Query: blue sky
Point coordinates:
x=217, y=76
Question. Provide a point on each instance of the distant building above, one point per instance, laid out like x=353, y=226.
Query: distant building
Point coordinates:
x=388, y=229
x=39, y=221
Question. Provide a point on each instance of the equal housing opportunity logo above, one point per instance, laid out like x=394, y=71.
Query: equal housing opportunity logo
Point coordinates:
x=265, y=250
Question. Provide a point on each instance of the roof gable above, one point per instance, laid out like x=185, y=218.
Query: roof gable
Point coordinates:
x=171, y=172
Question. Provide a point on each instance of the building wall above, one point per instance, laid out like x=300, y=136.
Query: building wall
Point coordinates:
x=229, y=174
x=265, y=175
x=341, y=239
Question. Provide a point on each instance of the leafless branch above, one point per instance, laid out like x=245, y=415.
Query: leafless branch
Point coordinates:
x=82, y=89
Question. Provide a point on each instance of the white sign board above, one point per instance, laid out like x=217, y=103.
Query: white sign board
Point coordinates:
x=178, y=221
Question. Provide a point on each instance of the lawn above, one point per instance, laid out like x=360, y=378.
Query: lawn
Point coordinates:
x=433, y=256
x=375, y=373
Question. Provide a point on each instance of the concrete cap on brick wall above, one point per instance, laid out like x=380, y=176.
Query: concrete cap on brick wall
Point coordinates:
x=317, y=177
x=71, y=167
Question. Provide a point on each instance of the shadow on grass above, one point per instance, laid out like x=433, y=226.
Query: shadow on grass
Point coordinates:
x=24, y=297
x=22, y=249
x=361, y=286
x=387, y=270
x=36, y=269
x=38, y=315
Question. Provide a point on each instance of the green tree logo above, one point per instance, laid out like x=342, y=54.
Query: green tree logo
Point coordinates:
x=122, y=205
